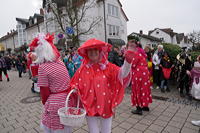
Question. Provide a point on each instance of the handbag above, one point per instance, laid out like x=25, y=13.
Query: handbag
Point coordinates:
x=166, y=72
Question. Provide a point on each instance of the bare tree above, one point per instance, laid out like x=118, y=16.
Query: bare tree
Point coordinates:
x=72, y=13
x=194, y=37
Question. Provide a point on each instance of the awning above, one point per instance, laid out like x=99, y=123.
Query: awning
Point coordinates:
x=118, y=42
x=2, y=48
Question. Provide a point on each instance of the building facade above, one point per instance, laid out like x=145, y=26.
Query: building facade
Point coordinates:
x=112, y=28
x=147, y=39
x=113, y=24
x=167, y=35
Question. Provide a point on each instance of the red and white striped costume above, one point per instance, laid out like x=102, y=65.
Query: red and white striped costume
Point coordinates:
x=55, y=76
x=53, y=80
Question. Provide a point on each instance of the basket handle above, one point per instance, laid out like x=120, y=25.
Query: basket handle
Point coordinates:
x=68, y=96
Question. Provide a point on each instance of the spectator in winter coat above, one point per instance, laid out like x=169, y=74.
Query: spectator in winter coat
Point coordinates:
x=3, y=68
x=156, y=62
x=19, y=65
x=115, y=56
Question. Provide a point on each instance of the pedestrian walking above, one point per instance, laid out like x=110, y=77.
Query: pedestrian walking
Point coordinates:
x=8, y=62
x=100, y=84
x=3, y=68
x=19, y=65
x=141, y=92
x=53, y=80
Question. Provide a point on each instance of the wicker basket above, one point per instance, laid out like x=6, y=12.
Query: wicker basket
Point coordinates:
x=69, y=119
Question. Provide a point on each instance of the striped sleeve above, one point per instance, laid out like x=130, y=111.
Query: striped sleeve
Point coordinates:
x=42, y=78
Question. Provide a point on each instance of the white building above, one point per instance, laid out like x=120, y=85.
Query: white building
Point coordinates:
x=28, y=28
x=112, y=28
x=26, y=31
x=9, y=41
x=147, y=39
x=167, y=35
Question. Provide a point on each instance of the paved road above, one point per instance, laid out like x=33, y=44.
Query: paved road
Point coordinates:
x=164, y=117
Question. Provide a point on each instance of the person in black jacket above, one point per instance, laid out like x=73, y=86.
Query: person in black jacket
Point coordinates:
x=19, y=65
x=8, y=62
x=166, y=66
x=116, y=57
x=3, y=68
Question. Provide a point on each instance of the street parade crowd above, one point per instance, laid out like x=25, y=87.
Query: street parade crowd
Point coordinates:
x=98, y=73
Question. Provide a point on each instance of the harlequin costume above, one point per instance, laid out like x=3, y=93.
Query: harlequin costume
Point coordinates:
x=53, y=80
x=101, y=85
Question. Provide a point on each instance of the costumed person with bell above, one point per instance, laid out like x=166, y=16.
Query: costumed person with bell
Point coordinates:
x=100, y=84
x=184, y=64
x=54, y=83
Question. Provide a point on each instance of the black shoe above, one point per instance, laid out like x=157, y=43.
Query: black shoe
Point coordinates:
x=182, y=95
x=8, y=79
x=1, y=80
x=168, y=90
x=162, y=90
x=145, y=108
x=138, y=111
x=190, y=98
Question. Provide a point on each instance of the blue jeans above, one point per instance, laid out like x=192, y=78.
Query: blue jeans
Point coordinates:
x=20, y=70
x=164, y=84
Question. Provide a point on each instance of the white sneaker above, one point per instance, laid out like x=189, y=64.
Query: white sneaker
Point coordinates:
x=157, y=87
x=196, y=123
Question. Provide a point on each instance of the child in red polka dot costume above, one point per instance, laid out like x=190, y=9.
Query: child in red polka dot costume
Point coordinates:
x=100, y=84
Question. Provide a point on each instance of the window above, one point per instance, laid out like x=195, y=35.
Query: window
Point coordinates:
x=117, y=30
x=157, y=32
x=109, y=9
x=113, y=30
x=113, y=10
x=110, y=30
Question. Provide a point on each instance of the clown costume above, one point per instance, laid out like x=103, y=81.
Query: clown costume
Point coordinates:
x=53, y=80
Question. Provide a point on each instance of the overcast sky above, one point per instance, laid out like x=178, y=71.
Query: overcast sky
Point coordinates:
x=180, y=15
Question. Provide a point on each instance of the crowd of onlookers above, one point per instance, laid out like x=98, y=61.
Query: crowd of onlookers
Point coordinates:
x=72, y=60
x=8, y=62
x=162, y=67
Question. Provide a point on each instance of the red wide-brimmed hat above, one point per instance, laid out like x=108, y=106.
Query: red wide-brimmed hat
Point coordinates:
x=94, y=44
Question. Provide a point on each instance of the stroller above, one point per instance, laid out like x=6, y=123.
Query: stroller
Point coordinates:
x=34, y=73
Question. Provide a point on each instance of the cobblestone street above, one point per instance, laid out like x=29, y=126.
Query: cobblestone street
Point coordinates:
x=17, y=116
